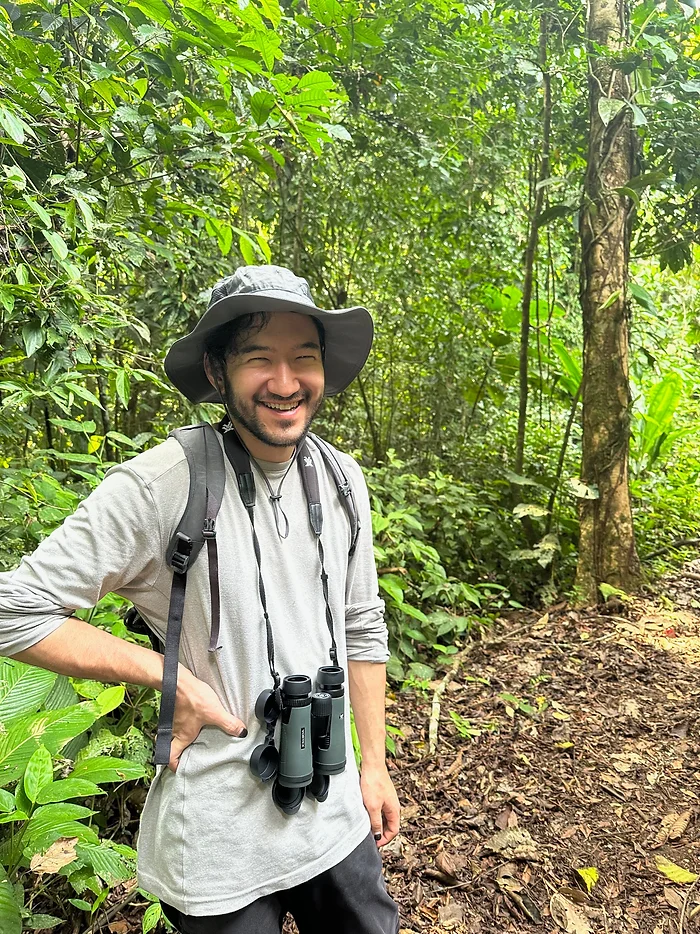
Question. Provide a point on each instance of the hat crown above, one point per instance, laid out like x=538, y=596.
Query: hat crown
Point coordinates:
x=250, y=279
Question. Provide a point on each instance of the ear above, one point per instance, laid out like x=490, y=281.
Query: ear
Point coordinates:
x=213, y=377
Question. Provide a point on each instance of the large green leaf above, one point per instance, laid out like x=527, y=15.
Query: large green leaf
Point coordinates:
x=52, y=821
x=52, y=728
x=10, y=918
x=23, y=688
x=107, y=769
x=67, y=788
x=39, y=772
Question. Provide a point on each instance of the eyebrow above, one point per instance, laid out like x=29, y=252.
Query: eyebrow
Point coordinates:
x=261, y=348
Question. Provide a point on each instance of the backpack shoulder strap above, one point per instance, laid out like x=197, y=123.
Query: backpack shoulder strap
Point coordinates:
x=345, y=491
x=197, y=525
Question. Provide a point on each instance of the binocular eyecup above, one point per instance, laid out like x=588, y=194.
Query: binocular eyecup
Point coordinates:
x=312, y=737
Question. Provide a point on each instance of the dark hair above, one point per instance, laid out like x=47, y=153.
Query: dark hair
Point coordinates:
x=227, y=340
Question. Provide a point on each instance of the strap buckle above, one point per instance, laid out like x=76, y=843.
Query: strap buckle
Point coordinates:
x=209, y=530
x=181, y=556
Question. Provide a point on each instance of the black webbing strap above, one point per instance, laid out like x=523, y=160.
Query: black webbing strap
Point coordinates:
x=206, y=491
x=240, y=461
x=347, y=497
x=309, y=479
x=170, y=661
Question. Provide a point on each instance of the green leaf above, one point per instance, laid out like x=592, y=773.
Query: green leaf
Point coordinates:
x=83, y=393
x=393, y=586
x=15, y=128
x=151, y=917
x=643, y=298
x=107, y=769
x=40, y=212
x=41, y=922
x=86, y=211
x=10, y=917
x=123, y=386
x=23, y=688
x=414, y=612
x=319, y=80
x=247, y=250
x=58, y=244
x=421, y=672
x=53, y=729
x=7, y=801
x=109, y=699
x=67, y=788
x=609, y=108
x=106, y=862
x=261, y=105
x=39, y=772
x=80, y=903
x=85, y=427
x=155, y=10
x=33, y=336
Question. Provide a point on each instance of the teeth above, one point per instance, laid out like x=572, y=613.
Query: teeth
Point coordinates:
x=281, y=408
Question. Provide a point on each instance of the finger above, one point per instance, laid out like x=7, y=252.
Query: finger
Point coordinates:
x=175, y=753
x=229, y=724
x=392, y=822
x=375, y=820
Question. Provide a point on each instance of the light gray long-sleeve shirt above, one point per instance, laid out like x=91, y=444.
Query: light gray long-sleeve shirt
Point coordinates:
x=211, y=839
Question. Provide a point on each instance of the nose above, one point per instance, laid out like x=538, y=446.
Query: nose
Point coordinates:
x=283, y=381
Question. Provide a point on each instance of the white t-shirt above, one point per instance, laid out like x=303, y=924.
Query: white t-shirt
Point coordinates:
x=211, y=839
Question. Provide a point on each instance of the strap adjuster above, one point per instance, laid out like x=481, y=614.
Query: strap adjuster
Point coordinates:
x=209, y=530
x=181, y=556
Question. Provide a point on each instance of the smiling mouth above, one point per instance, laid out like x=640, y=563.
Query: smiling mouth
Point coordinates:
x=282, y=406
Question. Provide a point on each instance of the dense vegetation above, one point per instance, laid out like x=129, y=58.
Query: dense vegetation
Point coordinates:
x=428, y=160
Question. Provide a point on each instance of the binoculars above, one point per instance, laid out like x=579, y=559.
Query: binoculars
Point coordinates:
x=311, y=740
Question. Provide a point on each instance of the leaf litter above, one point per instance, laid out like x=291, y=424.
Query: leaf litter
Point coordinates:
x=560, y=813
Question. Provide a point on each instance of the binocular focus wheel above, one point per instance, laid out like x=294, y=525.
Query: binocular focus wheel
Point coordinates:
x=287, y=799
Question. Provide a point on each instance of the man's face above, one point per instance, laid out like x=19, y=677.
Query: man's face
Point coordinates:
x=274, y=383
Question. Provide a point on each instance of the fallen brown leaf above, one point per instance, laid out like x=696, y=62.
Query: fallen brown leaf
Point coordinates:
x=59, y=854
x=567, y=916
x=514, y=844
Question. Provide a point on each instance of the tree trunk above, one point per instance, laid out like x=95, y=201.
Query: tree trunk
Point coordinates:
x=607, y=551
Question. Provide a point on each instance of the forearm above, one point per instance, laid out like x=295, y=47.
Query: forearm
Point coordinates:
x=83, y=651
x=367, y=682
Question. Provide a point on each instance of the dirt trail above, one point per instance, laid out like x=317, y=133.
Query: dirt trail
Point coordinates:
x=566, y=742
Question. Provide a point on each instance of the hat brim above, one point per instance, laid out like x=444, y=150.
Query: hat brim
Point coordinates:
x=348, y=339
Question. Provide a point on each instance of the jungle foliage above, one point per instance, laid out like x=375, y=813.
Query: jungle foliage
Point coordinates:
x=425, y=159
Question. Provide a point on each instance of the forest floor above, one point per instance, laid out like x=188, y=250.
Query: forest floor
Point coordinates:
x=567, y=751
x=566, y=773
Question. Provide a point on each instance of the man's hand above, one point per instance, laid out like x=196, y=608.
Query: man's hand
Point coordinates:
x=197, y=705
x=382, y=803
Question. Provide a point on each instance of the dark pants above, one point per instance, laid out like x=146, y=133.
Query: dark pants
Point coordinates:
x=350, y=898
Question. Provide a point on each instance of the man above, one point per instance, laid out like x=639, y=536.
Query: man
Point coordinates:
x=213, y=846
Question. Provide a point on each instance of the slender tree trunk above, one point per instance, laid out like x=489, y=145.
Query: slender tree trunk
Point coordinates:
x=607, y=551
x=531, y=249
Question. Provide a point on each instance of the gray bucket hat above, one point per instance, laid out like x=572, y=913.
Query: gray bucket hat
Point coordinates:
x=348, y=331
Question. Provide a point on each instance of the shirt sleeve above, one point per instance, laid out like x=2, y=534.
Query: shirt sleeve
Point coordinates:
x=365, y=628
x=112, y=541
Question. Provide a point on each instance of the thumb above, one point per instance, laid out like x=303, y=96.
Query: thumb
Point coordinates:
x=228, y=723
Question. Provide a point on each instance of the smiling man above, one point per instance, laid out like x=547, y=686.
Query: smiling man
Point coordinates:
x=298, y=589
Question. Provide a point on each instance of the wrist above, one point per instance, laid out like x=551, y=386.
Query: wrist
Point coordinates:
x=373, y=766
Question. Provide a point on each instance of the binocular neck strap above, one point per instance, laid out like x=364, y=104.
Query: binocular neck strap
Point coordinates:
x=240, y=461
x=309, y=478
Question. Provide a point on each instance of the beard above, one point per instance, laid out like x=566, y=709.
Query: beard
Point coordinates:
x=246, y=413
